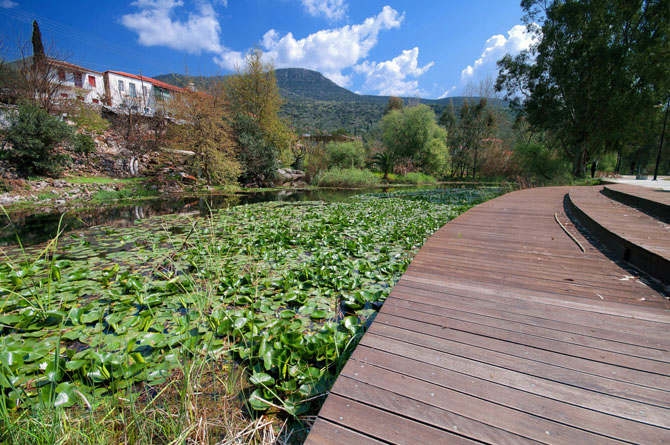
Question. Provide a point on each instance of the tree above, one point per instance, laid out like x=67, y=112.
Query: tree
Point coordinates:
x=33, y=135
x=253, y=91
x=594, y=73
x=34, y=79
x=345, y=154
x=413, y=134
x=201, y=128
x=467, y=130
x=39, y=56
x=258, y=157
x=394, y=103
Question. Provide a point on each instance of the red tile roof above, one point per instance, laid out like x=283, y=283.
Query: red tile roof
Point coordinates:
x=71, y=66
x=155, y=82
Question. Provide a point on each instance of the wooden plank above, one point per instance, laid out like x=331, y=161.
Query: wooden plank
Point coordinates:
x=562, y=412
x=421, y=407
x=561, y=371
x=476, y=418
x=383, y=425
x=327, y=433
x=482, y=317
x=546, y=318
x=543, y=343
x=598, y=401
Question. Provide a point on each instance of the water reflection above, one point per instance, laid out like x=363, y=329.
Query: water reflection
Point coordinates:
x=33, y=227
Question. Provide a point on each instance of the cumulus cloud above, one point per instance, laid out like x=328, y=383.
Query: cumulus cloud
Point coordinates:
x=332, y=50
x=395, y=77
x=330, y=9
x=517, y=40
x=8, y=4
x=156, y=24
x=159, y=23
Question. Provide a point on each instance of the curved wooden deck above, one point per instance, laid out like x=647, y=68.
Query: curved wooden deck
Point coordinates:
x=503, y=331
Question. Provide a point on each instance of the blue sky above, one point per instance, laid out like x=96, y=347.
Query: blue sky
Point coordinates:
x=420, y=48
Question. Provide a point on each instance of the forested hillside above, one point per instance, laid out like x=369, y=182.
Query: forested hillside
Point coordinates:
x=314, y=103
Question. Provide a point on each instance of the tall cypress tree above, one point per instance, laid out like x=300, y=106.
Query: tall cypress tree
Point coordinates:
x=39, y=56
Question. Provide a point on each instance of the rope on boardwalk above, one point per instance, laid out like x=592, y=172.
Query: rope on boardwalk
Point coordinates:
x=568, y=233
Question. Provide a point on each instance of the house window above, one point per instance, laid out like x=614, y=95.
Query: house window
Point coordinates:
x=95, y=101
x=120, y=85
x=91, y=81
x=131, y=87
x=78, y=81
x=61, y=75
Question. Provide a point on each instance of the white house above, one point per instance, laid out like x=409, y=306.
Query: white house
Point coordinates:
x=76, y=82
x=143, y=94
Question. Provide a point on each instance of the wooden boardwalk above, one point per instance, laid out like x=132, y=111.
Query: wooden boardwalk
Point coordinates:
x=503, y=331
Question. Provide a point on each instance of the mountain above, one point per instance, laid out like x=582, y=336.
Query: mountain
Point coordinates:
x=314, y=103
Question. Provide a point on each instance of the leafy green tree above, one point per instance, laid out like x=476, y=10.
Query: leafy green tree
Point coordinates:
x=411, y=134
x=345, y=154
x=259, y=158
x=33, y=136
x=466, y=131
x=253, y=91
x=594, y=73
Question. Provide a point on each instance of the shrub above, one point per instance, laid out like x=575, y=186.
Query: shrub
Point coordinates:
x=348, y=177
x=416, y=178
x=85, y=144
x=345, y=154
x=259, y=159
x=540, y=165
x=315, y=161
x=34, y=134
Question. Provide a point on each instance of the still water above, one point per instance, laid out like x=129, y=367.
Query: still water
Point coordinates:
x=33, y=227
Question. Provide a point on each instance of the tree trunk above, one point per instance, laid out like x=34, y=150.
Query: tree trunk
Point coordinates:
x=474, y=165
x=579, y=162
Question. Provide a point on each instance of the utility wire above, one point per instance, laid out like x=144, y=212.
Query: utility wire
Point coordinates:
x=83, y=37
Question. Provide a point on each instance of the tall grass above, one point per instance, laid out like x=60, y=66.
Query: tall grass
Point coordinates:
x=416, y=178
x=346, y=178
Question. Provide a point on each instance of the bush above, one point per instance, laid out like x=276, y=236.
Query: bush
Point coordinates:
x=84, y=143
x=34, y=134
x=348, y=177
x=416, y=178
x=345, y=154
x=259, y=159
x=540, y=165
x=315, y=161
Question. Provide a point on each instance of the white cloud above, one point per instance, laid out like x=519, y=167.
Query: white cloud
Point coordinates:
x=156, y=24
x=390, y=78
x=330, y=9
x=8, y=4
x=517, y=40
x=332, y=50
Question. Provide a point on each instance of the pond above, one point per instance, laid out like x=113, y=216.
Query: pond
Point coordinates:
x=37, y=226
x=284, y=289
